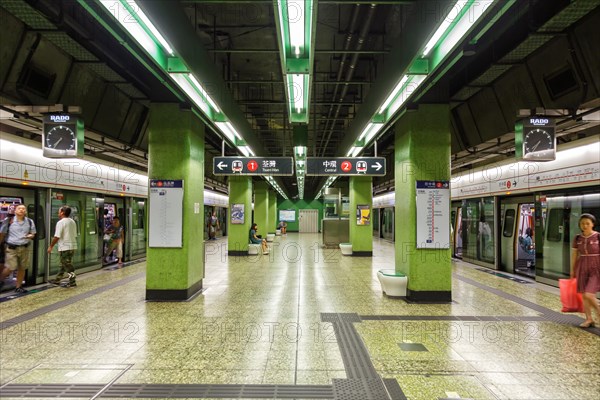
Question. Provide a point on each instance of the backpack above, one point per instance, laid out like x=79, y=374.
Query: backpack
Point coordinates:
x=10, y=222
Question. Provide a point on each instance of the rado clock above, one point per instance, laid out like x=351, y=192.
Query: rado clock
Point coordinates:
x=534, y=139
x=63, y=136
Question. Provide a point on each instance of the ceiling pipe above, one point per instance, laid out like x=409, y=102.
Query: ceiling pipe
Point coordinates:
x=351, y=68
x=347, y=43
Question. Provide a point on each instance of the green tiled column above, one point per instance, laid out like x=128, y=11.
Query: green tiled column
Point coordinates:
x=176, y=151
x=238, y=236
x=261, y=207
x=272, y=211
x=361, y=236
x=422, y=152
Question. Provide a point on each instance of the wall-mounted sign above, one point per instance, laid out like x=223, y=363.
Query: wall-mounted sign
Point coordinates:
x=535, y=140
x=324, y=166
x=363, y=214
x=165, y=218
x=237, y=214
x=287, y=215
x=253, y=166
x=63, y=136
x=433, y=214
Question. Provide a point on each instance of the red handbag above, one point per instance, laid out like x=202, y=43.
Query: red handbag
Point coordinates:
x=570, y=299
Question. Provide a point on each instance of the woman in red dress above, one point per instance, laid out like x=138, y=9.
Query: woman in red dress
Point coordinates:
x=585, y=266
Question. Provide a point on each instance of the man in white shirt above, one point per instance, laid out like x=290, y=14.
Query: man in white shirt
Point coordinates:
x=66, y=237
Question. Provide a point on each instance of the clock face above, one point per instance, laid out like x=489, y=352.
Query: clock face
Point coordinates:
x=538, y=141
x=61, y=138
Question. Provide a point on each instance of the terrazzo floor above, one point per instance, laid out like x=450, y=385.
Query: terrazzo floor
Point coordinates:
x=259, y=321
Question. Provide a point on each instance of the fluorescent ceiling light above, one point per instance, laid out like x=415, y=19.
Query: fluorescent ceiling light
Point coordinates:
x=228, y=130
x=300, y=151
x=133, y=19
x=295, y=17
x=371, y=127
x=455, y=11
x=467, y=20
x=298, y=92
x=190, y=85
x=203, y=93
x=349, y=153
x=356, y=151
x=194, y=94
x=144, y=19
x=246, y=150
x=372, y=132
x=408, y=90
x=392, y=95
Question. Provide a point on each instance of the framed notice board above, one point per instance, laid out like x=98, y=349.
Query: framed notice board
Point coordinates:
x=433, y=214
x=165, y=218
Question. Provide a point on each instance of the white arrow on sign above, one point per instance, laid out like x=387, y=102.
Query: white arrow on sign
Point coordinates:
x=377, y=166
x=221, y=165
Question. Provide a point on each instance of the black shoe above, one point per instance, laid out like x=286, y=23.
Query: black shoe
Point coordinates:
x=21, y=290
x=71, y=284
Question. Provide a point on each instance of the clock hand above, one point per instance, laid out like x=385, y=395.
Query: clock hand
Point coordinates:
x=57, y=142
x=536, y=145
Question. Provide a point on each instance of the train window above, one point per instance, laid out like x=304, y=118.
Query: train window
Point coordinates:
x=509, y=223
x=555, y=224
x=40, y=221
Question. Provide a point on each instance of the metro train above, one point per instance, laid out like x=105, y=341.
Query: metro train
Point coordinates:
x=519, y=217
x=96, y=192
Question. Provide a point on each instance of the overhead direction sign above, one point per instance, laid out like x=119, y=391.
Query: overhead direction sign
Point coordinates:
x=341, y=166
x=253, y=166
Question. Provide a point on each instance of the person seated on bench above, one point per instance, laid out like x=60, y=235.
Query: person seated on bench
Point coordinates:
x=282, y=227
x=254, y=239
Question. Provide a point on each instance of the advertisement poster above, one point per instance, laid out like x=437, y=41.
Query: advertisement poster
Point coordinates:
x=237, y=214
x=363, y=214
x=433, y=215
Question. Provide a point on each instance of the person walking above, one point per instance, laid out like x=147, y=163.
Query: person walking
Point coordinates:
x=18, y=231
x=213, y=227
x=66, y=236
x=585, y=266
x=116, y=232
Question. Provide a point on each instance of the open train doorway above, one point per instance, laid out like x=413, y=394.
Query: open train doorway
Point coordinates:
x=517, y=247
x=525, y=244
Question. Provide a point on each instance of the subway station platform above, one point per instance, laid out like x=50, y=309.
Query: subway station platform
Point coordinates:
x=300, y=323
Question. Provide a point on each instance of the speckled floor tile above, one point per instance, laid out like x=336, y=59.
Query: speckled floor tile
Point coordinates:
x=258, y=321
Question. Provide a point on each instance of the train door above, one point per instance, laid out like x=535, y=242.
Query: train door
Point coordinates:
x=376, y=222
x=387, y=224
x=456, y=230
x=517, y=241
x=135, y=236
x=113, y=207
x=10, y=197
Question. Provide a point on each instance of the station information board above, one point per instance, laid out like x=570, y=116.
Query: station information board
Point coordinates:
x=433, y=214
x=323, y=166
x=253, y=166
x=165, y=213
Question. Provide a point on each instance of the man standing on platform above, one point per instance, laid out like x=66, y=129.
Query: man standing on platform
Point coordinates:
x=66, y=237
x=18, y=230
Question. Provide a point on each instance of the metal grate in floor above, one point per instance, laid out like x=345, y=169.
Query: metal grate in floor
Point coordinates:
x=133, y=391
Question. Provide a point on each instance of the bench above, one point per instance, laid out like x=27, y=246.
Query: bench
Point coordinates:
x=346, y=248
x=392, y=283
x=254, y=249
